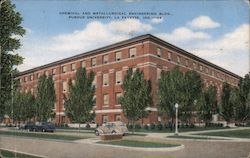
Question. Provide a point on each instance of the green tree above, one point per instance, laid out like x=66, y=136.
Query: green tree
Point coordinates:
x=137, y=96
x=227, y=103
x=45, y=99
x=10, y=29
x=171, y=91
x=207, y=104
x=191, y=92
x=80, y=101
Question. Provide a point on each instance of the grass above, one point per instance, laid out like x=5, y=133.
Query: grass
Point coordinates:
x=244, y=133
x=41, y=135
x=192, y=137
x=10, y=154
x=168, y=130
x=142, y=144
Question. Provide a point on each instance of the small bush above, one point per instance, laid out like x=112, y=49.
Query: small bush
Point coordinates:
x=152, y=126
x=191, y=125
x=137, y=126
x=160, y=126
x=87, y=125
x=130, y=126
x=145, y=127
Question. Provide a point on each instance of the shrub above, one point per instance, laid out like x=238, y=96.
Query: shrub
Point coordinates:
x=191, y=125
x=152, y=126
x=130, y=126
x=159, y=126
x=145, y=127
x=87, y=125
x=137, y=126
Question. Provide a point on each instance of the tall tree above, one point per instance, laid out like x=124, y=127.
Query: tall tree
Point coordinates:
x=227, y=107
x=171, y=91
x=207, y=103
x=192, y=90
x=80, y=101
x=137, y=96
x=10, y=29
x=45, y=99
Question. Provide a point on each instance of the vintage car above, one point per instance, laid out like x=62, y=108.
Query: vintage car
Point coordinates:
x=112, y=128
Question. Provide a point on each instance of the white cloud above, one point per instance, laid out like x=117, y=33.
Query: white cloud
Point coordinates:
x=39, y=51
x=183, y=34
x=156, y=20
x=203, y=22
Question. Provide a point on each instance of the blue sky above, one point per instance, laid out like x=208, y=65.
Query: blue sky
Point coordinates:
x=214, y=30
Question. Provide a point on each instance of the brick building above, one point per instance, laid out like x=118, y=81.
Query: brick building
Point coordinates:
x=110, y=63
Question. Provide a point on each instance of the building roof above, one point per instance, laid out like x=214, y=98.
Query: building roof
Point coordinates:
x=145, y=37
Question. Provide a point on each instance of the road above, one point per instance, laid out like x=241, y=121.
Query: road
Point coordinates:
x=63, y=149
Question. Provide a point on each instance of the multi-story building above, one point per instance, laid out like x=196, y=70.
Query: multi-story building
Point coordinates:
x=110, y=63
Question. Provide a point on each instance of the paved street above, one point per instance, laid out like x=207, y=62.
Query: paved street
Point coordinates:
x=60, y=149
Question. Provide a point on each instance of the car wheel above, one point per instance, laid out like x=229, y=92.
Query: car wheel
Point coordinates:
x=43, y=130
x=113, y=132
x=97, y=133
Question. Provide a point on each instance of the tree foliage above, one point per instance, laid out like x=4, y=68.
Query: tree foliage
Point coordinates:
x=45, y=99
x=80, y=101
x=10, y=29
x=137, y=96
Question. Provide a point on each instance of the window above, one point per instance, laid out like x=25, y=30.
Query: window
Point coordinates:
x=212, y=73
x=94, y=82
x=158, y=75
x=105, y=79
x=83, y=63
x=105, y=119
x=178, y=59
x=194, y=65
x=31, y=77
x=37, y=75
x=118, y=56
x=132, y=52
x=159, y=52
x=32, y=91
x=25, y=79
x=118, y=118
x=105, y=59
x=169, y=56
x=20, y=80
x=117, y=96
x=73, y=82
x=64, y=86
x=46, y=73
x=64, y=69
x=53, y=72
x=118, y=77
x=73, y=67
x=206, y=70
x=93, y=62
x=186, y=62
x=105, y=100
x=201, y=67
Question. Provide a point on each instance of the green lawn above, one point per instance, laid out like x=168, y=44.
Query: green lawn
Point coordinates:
x=192, y=137
x=244, y=133
x=167, y=130
x=42, y=135
x=133, y=143
x=10, y=154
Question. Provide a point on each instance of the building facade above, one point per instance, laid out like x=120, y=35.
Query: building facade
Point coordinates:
x=110, y=64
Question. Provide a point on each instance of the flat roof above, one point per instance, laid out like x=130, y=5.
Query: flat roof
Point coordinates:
x=126, y=42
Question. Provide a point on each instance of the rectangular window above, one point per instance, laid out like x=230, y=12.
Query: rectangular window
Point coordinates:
x=105, y=100
x=64, y=86
x=93, y=62
x=132, y=52
x=94, y=82
x=37, y=75
x=105, y=118
x=212, y=72
x=73, y=67
x=31, y=77
x=201, y=67
x=46, y=73
x=118, y=117
x=118, y=77
x=178, y=59
x=105, y=79
x=64, y=69
x=117, y=96
x=194, y=65
x=83, y=64
x=186, y=62
x=105, y=59
x=118, y=56
x=206, y=70
x=53, y=72
x=25, y=79
x=159, y=52
x=169, y=56
x=73, y=82
x=158, y=75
